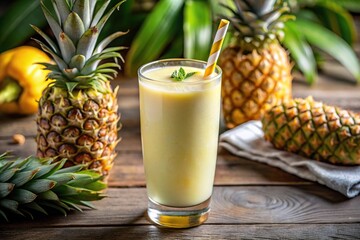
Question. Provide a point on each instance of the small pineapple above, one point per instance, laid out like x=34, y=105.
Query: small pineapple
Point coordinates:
x=31, y=185
x=77, y=117
x=314, y=130
x=256, y=68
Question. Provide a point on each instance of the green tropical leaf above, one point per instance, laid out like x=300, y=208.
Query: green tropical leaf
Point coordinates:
x=351, y=5
x=197, y=29
x=17, y=19
x=300, y=51
x=337, y=19
x=176, y=49
x=330, y=43
x=158, y=30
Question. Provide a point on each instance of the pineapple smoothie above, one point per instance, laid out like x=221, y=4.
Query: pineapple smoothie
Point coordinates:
x=179, y=129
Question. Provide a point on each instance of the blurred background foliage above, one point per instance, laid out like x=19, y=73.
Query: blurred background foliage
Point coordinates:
x=322, y=29
x=185, y=28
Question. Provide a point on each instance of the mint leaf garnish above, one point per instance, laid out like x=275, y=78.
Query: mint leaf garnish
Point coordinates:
x=189, y=74
x=179, y=75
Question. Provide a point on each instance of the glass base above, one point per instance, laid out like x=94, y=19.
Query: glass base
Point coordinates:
x=178, y=217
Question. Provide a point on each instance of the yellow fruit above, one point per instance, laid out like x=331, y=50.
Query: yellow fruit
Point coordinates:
x=253, y=82
x=256, y=68
x=78, y=113
x=314, y=130
x=22, y=79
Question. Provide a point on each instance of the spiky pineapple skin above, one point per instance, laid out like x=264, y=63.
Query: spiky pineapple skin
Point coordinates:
x=314, y=130
x=253, y=81
x=81, y=127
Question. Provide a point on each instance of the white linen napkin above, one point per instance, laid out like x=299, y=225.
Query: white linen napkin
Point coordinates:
x=247, y=140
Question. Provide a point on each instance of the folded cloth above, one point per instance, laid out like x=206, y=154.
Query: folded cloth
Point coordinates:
x=247, y=140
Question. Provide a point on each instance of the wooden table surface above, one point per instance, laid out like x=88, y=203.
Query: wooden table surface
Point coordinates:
x=251, y=200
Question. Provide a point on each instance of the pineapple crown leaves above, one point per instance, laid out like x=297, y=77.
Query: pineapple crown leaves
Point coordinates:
x=76, y=25
x=258, y=21
x=33, y=185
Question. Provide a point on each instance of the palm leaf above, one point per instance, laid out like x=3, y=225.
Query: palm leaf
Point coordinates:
x=337, y=19
x=155, y=34
x=197, y=29
x=330, y=43
x=300, y=51
x=17, y=19
x=176, y=49
x=351, y=5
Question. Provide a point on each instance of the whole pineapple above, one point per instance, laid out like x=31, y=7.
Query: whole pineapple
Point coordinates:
x=256, y=68
x=315, y=130
x=77, y=117
x=31, y=185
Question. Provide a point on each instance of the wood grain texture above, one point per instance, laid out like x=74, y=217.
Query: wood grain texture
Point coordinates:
x=206, y=232
x=128, y=169
x=230, y=170
x=250, y=200
x=229, y=205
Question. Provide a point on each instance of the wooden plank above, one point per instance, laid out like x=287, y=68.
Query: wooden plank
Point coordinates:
x=9, y=125
x=276, y=231
x=25, y=150
x=128, y=169
x=230, y=170
x=230, y=205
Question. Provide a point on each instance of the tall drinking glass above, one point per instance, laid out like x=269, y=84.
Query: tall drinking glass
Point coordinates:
x=179, y=133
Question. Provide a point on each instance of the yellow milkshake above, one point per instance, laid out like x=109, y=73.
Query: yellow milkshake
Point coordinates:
x=179, y=129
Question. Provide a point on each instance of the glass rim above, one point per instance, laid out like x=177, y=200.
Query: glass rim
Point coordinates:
x=202, y=81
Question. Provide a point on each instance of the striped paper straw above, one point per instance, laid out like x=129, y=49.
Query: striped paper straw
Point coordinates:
x=216, y=47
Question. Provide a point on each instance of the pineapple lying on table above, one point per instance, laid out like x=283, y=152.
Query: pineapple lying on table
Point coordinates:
x=256, y=68
x=77, y=117
x=315, y=130
x=30, y=186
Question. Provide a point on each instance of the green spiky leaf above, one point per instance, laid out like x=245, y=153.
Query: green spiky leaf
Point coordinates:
x=54, y=24
x=99, y=13
x=77, y=26
x=10, y=205
x=23, y=177
x=104, y=43
x=63, y=9
x=7, y=174
x=74, y=27
x=38, y=185
x=82, y=8
x=47, y=39
x=6, y=189
x=36, y=207
x=86, y=44
x=22, y=196
x=105, y=18
x=67, y=47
